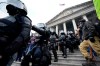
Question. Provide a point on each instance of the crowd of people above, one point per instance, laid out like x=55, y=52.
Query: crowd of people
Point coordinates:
x=16, y=44
x=53, y=44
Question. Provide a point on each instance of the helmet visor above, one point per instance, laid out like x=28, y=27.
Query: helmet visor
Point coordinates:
x=4, y=3
x=16, y=3
x=41, y=25
x=3, y=11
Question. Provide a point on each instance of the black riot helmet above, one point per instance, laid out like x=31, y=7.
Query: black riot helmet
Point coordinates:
x=62, y=32
x=13, y=7
x=52, y=31
x=19, y=5
x=12, y=10
x=41, y=26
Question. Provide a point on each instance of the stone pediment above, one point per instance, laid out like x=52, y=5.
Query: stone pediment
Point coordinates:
x=70, y=10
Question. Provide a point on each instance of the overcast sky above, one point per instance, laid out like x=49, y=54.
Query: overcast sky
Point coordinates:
x=44, y=10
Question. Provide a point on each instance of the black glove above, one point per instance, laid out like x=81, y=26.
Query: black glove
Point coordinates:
x=92, y=39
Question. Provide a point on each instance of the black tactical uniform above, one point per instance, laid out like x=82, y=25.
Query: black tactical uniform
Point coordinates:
x=14, y=31
x=40, y=55
x=43, y=42
x=53, y=39
x=62, y=41
x=71, y=40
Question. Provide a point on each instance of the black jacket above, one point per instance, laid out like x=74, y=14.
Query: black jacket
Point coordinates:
x=88, y=30
x=44, y=35
x=15, y=30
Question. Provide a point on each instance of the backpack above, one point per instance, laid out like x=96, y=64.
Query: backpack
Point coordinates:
x=52, y=38
x=62, y=37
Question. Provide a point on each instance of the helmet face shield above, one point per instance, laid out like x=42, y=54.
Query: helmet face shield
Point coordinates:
x=3, y=11
x=16, y=3
x=61, y=31
x=52, y=30
x=19, y=4
x=41, y=25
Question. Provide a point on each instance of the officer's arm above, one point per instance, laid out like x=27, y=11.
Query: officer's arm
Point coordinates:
x=22, y=38
x=26, y=28
x=40, y=31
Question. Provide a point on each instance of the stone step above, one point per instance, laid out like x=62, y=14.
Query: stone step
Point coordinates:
x=64, y=64
x=60, y=54
x=77, y=56
x=70, y=55
x=16, y=64
x=75, y=52
x=53, y=64
x=70, y=61
x=68, y=50
x=75, y=60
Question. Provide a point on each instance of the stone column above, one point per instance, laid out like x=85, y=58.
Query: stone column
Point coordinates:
x=64, y=27
x=74, y=24
x=85, y=17
x=57, y=29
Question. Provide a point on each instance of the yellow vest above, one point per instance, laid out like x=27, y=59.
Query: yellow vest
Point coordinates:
x=97, y=7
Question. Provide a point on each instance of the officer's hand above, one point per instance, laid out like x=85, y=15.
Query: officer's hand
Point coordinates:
x=92, y=39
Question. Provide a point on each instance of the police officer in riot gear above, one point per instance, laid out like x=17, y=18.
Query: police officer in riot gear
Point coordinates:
x=53, y=39
x=62, y=40
x=71, y=44
x=43, y=42
x=14, y=31
x=40, y=55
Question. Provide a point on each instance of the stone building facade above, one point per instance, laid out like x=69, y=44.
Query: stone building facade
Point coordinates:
x=68, y=19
